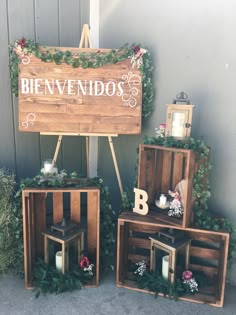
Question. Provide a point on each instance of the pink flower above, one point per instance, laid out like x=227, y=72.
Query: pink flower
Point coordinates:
x=84, y=262
x=162, y=126
x=187, y=275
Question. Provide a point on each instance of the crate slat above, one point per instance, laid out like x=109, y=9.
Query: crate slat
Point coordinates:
x=204, y=252
x=166, y=171
x=139, y=242
x=75, y=207
x=177, y=169
x=57, y=198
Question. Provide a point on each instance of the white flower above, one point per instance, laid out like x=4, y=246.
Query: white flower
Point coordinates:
x=142, y=267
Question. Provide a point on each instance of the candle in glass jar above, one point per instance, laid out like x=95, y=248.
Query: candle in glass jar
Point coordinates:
x=162, y=200
x=47, y=167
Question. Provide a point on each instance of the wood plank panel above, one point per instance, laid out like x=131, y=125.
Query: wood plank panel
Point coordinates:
x=75, y=207
x=151, y=176
x=166, y=171
x=39, y=207
x=177, y=169
x=57, y=199
x=159, y=170
x=209, y=271
x=142, y=168
x=135, y=258
x=204, y=252
x=139, y=242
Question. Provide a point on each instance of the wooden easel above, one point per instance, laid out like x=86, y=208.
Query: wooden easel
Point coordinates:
x=86, y=42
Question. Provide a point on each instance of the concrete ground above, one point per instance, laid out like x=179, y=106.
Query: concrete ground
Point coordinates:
x=106, y=299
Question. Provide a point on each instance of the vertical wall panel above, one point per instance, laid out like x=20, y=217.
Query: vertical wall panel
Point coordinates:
x=7, y=149
x=47, y=33
x=21, y=23
x=70, y=27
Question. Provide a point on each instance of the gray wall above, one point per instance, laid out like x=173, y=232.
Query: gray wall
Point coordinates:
x=193, y=44
x=55, y=23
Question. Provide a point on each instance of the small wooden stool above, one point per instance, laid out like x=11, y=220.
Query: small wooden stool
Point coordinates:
x=65, y=241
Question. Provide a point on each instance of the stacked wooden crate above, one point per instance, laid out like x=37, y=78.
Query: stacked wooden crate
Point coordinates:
x=160, y=169
x=35, y=223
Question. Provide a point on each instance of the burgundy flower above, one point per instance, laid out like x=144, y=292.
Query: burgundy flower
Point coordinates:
x=84, y=262
x=162, y=126
x=22, y=42
x=187, y=275
x=136, y=49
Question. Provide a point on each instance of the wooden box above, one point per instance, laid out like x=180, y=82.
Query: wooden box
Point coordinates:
x=161, y=169
x=35, y=221
x=208, y=255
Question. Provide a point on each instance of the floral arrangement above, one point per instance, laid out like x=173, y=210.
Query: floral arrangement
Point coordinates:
x=189, y=282
x=147, y=279
x=160, y=132
x=137, y=58
x=86, y=266
x=142, y=267
x=176, y=207
x=23, y=49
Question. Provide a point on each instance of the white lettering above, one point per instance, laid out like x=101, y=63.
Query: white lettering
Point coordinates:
x=112, y=92
x=61, y=90
x=101, y=91
x=24, y=86
x=37, y=86
x=71, y=87
x=81, y=87
x=120, y=88
x=49, y=87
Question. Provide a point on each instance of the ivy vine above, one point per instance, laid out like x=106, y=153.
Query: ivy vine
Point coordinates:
x=23, y=47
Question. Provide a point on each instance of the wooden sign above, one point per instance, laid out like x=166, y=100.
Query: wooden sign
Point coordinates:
x=60, y=98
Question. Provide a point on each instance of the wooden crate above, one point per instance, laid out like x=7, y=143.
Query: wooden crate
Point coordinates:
x=35, y=209
x=208, y=255
x=161, y=169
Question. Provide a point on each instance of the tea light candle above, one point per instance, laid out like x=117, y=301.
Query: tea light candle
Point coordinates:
x=162, y=200
x=165, y=267
x=47, y=167
x=58, y=257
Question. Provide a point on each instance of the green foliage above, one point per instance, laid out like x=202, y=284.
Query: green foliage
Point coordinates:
x=154, y=282
x=11, y=243
x=86, y=60
x=48, y=280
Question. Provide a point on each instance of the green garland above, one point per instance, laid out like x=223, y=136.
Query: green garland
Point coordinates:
x=85, y=60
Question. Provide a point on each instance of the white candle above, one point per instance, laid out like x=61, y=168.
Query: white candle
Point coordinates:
x=165, y=267
x=47, y=167
x=59, y=261
x=162, y=201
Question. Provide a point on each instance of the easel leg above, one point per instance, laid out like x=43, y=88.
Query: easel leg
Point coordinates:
x=115, y=164
x=56, y=151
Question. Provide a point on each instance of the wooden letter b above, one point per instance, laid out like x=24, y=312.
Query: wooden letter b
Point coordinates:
x=140, y=203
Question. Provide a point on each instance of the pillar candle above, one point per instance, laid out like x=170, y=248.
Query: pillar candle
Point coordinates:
x=59, y=261
x=165, y=267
